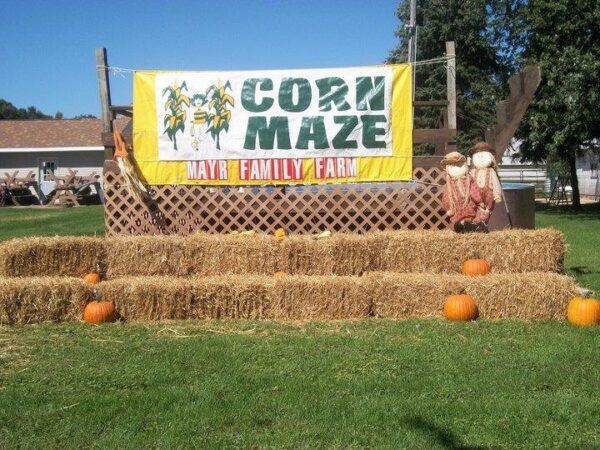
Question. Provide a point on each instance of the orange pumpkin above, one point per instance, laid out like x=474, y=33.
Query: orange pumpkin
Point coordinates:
x=280, y=234
x=98, y=311
x=460, y=307
x=583, y=311
x=92, y=277
x=476, y=266
x=279, y=274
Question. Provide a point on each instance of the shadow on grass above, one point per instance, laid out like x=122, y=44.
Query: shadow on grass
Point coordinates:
x=444, y=437
x=581, y=270
x=586, y=212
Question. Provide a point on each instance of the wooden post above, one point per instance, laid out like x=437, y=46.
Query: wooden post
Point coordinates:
x=104, y=90
x=451, y=91
x=412, y=26
x=451, y=82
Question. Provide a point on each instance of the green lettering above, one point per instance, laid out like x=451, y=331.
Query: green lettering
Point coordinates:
x=328, y=95
x=340, y=139
x=371, y=131
x=286, y=94
x=276, y=129
x=312, y=129
x=249, y=94
x=370, y=93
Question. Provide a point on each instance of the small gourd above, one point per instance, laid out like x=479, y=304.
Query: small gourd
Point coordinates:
x=280, y=234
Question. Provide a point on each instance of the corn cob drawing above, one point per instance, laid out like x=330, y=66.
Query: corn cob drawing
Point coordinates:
x=175, y=115
x=218, y=116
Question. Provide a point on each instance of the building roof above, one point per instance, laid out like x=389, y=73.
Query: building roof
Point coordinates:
x=52, y=133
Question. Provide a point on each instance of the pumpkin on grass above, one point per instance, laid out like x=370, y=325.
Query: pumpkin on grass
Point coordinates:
x=460, y=307
x=475, y=266
x=99, y=311
x=583, y=311
x=92, y=278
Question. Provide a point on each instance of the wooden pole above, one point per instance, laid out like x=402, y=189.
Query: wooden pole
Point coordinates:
x=104, y=90
x=412, y=25
x=451, y=84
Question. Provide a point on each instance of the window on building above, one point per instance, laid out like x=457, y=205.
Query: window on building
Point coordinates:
x=48, y=169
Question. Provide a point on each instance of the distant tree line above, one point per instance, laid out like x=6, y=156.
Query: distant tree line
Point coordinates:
x=8, y=111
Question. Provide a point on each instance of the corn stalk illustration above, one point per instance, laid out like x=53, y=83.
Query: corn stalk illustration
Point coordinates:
x=218, y=116
x=175, y=115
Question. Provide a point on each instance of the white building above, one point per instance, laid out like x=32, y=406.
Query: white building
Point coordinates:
x=50, y=146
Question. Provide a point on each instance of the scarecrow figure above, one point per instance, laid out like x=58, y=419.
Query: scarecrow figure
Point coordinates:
x=483, y=159
x=461, y=197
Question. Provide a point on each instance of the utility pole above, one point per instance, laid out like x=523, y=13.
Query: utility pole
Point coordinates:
x=412, y=29
x=104, y=90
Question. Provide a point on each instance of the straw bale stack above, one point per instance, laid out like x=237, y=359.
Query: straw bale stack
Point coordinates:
x=25, y=300
x=39, y=256
x=532, y=295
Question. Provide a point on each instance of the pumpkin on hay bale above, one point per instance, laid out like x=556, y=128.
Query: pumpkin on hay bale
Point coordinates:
x=476, y=266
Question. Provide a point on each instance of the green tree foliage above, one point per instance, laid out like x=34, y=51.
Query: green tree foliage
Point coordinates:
x=8, y=111
x=563, y=37
x=484, y=59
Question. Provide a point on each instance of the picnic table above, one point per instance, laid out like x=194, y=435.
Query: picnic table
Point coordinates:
x=15, y=189
x=73, y=189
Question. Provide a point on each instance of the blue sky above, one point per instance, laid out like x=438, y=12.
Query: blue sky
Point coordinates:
x=47, y=47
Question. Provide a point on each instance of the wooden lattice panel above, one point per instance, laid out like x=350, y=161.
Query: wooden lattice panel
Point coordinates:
x=359, y=208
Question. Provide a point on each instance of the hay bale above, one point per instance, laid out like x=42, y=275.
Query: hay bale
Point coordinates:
x=40, y=256
x=145, y=255
x=25, y=300
x=509, y=251
x=341, y=254
x=208, y=255
x=238, y=297
x=533, y=295
x=159, y=298
x=319, y=298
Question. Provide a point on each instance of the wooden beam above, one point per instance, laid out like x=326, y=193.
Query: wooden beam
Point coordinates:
x=451, y=83
x=510, y=112
x=124, y=110
x=104, y=91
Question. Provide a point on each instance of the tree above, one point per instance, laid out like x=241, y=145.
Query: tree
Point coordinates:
x=563, y=37
x=8, y=111
x=85, y=116
x=58, y=115
x=483, y=59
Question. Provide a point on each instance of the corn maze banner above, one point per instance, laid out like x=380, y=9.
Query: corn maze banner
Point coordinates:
x=274, y=127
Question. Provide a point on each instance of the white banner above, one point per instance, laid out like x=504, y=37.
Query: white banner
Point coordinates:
x=274, y=114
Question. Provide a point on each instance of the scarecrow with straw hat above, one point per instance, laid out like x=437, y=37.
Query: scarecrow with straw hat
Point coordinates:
x=461, y=197
x=483, y=159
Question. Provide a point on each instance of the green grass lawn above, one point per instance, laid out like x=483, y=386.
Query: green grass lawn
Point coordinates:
x=410, y=384
x=372, y=383
x=582, y=232
x=45, y=221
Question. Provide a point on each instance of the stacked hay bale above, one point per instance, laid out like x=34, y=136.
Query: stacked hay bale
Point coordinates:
x=385, y=274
